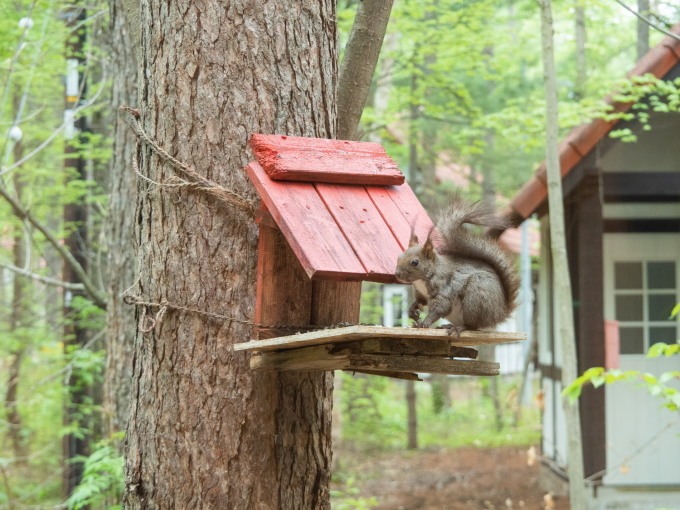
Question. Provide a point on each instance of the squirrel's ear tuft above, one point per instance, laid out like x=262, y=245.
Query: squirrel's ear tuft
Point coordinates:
x=428, y=249
x=413, y=240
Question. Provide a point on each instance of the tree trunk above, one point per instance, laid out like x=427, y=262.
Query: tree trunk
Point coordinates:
x=120, y=324
x=580, y=32
x=18, y=321
x=561, y=282
x=358, y=64
x=75, y=445
x=204, y=430
x=412, y=443
x=642, y=29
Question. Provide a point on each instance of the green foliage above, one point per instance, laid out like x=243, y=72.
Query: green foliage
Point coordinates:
x=375, y=416
x=657, y=386
x=32, y=66
x=346, y=498
x=102, y=481
x=648, y=95
x=371, y=311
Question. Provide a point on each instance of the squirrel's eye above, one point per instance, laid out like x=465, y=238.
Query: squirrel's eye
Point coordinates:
x=415, y=262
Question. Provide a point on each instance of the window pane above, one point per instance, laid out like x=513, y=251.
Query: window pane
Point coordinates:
x=668, y=335
x=629, y=308
x=631, y=340
x=660, y=306
x=661, y=275
x=628, y=275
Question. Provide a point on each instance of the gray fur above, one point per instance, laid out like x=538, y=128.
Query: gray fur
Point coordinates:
x=470, y=280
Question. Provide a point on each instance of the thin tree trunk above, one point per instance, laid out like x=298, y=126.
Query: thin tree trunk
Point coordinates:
x=18, y=320
x=412, y=415
x=580, y=31
x=75, y=445
x=561, y=282
x=204, y=430
x=642, y=29
x=414, y=116
x=359, y=61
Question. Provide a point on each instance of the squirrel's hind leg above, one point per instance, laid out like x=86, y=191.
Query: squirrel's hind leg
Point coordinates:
x=453, y=328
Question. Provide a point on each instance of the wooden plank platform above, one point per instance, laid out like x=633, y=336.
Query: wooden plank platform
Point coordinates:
x=359, y=332
x=325, y=357
x=401, y=353
x=295, y=158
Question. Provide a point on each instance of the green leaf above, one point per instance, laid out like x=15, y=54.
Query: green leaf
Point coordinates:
x=657, y=350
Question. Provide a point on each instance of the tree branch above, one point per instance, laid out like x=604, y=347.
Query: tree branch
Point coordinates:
x=358, y=65
x=648, y=21
x=44, y=279
x=99, y=297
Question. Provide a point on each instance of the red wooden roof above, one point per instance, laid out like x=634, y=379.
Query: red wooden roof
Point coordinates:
x=339, y=231
x=295, y=158
x=582, y=139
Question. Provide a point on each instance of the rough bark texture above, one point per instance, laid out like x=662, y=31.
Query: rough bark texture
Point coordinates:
x=121, y=324
x=204, y=430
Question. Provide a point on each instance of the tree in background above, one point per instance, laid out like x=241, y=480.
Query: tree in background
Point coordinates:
x=34, y=189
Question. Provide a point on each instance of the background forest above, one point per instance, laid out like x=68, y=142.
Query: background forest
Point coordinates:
x=458, y=89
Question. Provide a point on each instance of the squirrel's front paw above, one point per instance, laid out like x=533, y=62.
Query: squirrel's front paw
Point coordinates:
x=414, y=311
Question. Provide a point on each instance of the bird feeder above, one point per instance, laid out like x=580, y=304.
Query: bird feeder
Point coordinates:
x=344, y=213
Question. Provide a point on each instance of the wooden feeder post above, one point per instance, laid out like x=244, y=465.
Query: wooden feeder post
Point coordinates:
x=335, y=213
x=286, y=296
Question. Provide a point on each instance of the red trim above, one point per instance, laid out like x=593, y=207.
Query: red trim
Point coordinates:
x=582, y=139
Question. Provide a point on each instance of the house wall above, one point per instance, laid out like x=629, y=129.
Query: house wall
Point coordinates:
x=642, y=449
x=554, y=442
x=657, y=150
x=643, y=446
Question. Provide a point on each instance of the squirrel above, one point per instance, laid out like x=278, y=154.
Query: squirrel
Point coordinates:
x=469, y=280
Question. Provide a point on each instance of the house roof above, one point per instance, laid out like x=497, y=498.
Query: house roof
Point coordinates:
x=582, y=139
x=347, y=232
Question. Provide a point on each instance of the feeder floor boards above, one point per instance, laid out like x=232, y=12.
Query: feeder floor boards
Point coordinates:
x=379, y=350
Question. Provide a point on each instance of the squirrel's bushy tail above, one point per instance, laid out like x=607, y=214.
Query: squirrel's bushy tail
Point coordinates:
x=459, y=241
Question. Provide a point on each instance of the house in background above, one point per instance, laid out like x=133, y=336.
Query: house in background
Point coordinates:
x=622, y=215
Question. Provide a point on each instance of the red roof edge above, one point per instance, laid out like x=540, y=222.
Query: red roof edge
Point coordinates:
x=582, y=139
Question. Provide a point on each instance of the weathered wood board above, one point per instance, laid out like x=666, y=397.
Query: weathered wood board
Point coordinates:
x=343, y=232
x=355, y=333
x=294, y=158
x=326, y=357
x=363, y=226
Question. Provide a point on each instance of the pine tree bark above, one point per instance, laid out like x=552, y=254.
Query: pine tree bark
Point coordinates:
x=121, y=324
x=204, y=430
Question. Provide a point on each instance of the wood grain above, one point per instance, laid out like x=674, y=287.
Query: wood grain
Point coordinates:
x=407, y=376
x=402, y=212
x=293, y=158
x=309, y=228
x=412, y=216
x=324, y=358
x=423, y=365
x=355, y=333
x=364, y=228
